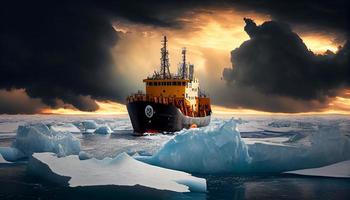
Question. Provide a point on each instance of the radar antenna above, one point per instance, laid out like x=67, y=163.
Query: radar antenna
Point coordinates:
x=184, y=69
x=164, y=60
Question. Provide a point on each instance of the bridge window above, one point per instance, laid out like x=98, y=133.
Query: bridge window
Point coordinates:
x=183, y=83
x=168, y=83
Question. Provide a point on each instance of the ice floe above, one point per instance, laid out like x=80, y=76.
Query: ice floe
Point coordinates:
x=3, y=161
x=89, y=124
x=220, y=149
x=84, y=155
x=40, y=138
x=122, y=170
x=208, y=150
x=326, y=146
x=65, y=127
x=103, y=130
x=11, y=153
x=337, y=170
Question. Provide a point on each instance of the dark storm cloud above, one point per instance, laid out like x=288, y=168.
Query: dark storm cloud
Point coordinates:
x=276, y=62
x=61, y=50
x=18, y=102
x=320, y=14
x=57, y=51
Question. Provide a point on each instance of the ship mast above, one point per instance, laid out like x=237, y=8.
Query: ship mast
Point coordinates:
x=184, y=74
x=164, y=61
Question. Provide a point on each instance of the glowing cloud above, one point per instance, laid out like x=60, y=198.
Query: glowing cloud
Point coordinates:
x=105, y=108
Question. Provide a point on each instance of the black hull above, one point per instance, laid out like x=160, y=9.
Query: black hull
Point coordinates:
x=161, y=118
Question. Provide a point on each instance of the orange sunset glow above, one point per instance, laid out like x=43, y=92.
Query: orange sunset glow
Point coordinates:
x=209, y=36
x=105, y=108
x=339, y=105
x=203, y=33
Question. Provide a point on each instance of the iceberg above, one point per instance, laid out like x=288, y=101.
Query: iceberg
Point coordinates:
x=337, y=170
x=122, y=170
x=84, y=155
x=326, y=146
x=40, y=138
x=89, y=124
x=220, y=149
x=217, y=149
x=103, y=130
x=3, y=161
x=11, y=154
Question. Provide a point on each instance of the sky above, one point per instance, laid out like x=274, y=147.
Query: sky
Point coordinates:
x=85, y=57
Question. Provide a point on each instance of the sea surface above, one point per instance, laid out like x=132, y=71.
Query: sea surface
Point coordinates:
x=17, y=183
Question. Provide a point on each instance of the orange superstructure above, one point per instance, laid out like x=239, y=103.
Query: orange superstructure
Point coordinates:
x=166, y=88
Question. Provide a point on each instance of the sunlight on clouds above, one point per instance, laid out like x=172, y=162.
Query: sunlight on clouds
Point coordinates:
x=209, y=36
x=340, y=105
x=221, y=29
x=204, y=33
x=320, y=43
x=105, y=108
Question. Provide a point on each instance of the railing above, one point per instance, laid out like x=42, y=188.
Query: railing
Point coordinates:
x=179, y=102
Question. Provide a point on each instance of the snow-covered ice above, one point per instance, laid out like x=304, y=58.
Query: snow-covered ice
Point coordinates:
x=122, y=170
x=337, y=170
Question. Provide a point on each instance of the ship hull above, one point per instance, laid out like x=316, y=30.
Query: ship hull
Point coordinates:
x=156, y=117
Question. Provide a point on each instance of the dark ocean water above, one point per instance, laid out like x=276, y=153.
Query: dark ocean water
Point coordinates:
x=17, y=182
